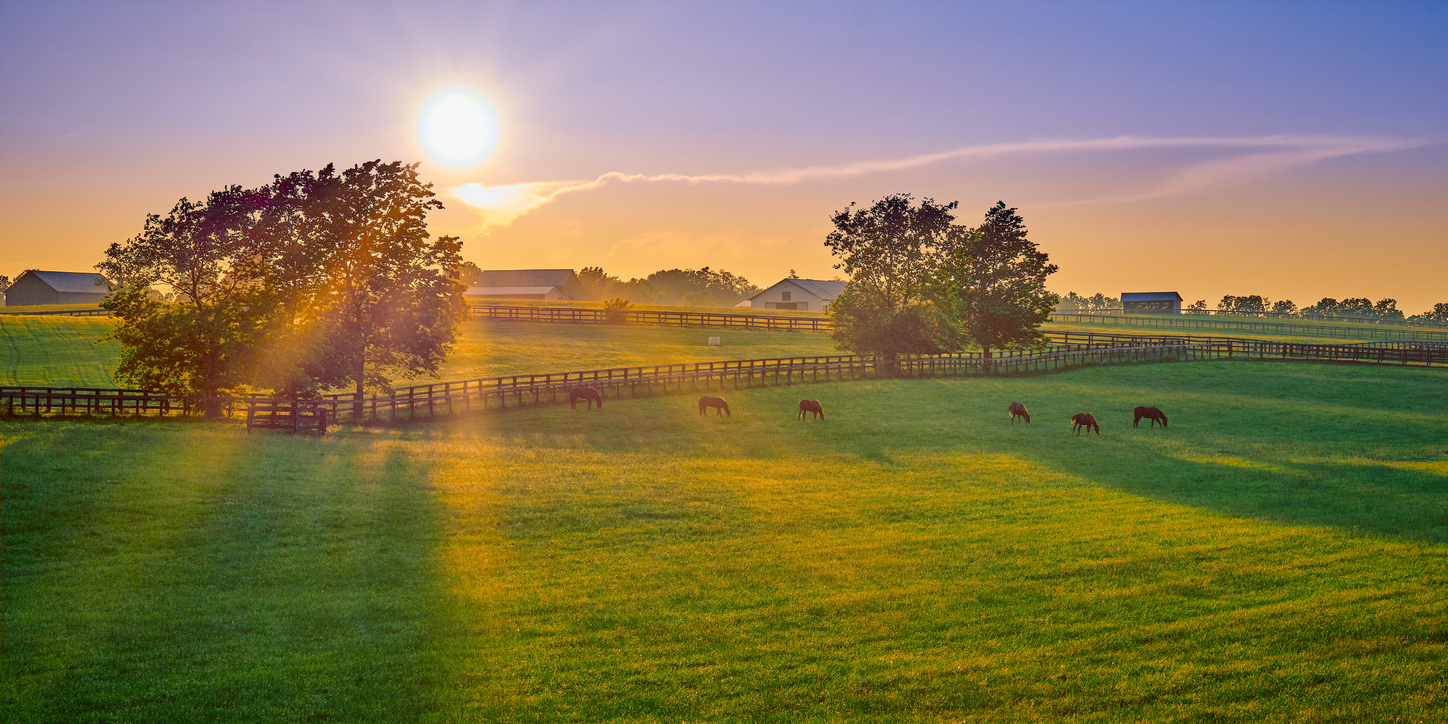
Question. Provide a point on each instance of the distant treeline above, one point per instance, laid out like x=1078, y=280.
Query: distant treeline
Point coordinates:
x=1258, y=305
x=689, y=287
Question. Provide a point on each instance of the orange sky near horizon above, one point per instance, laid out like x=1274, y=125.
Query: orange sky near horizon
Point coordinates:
x=1300, y=167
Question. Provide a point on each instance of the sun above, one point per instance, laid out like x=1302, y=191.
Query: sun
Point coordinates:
x=458, y=128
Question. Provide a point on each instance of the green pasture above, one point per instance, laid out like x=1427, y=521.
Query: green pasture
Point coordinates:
x=56, y=351
x=1280, y=553
x=62, y=351
x=491, y=349
x=1310, y=331
x=44, y=308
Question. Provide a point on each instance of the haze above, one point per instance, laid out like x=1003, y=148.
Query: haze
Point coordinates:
x=1291, y=150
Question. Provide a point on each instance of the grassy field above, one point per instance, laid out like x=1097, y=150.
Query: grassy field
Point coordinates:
x=57, y=352
x=1279, y=554
x=61, y=351
x=41, y=308
x=1325, y=331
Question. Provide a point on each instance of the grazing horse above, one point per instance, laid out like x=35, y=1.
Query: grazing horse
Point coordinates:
x=1150, y=413
x=1082, y=421
x=721, y=407
x=811, y=406
x=584, y=393
x=1019, y=410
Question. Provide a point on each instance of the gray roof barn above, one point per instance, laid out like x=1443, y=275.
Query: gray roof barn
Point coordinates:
x=812, y=295
x=1150, y=297
x=1151, y=302
x=527, y=284
x=53, y=287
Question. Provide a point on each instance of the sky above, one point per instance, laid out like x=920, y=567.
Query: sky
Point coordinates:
x=1296, y=151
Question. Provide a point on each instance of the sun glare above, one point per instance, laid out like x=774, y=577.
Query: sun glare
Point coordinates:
x=457, y=128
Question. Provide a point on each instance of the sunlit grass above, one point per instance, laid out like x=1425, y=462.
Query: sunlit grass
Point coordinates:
x=62, y=351
x=490, y=349
x=1358, y=333
x=57, y=351
x=1277, y=554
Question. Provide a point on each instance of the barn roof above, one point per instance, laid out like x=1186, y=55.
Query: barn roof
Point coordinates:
x=1150, y=296
x=824, y=289
x=524, y=278
x=71, y=282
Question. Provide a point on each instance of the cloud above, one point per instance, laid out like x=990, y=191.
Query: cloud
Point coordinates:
x=1258, y=157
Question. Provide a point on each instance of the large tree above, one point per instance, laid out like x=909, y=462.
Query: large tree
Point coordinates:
x=891, y=251
x=379, y=298
x=208, y=257
x=317, y=280
x=998, y=280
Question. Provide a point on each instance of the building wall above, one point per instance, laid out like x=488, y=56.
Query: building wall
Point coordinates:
x=1153, y=307
x=788, y=296
x=28, y=290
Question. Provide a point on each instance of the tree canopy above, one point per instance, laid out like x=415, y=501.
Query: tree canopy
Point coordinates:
x=694, y=287
x=920, y=284
x=891, y=251
x=317, y=280
x=998, y=277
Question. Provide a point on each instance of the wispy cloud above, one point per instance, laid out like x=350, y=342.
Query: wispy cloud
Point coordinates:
x=1256, y=157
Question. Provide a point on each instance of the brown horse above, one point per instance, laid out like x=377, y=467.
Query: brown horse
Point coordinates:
x=811, y=406
x=721, y=408
x=1082, y=421
x=1019, y=410
x=1150, y=413
x=584, y=393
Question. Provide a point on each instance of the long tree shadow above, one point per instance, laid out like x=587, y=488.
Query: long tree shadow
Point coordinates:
x=274, y=578
x=1309, y=446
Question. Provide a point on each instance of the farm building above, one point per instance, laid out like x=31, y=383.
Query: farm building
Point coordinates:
x=812, y=295
x=551, y=284
x=52, y=287
x=1151, y=303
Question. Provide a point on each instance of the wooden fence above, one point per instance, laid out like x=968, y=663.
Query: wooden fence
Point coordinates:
x=1067, y=350
x=63, y=313
x=1248, y=325
x=577, y=315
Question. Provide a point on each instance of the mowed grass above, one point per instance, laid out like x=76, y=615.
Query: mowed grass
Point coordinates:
x=63, y=351
x=1277, y=554
x=1331, y=332
x=492, y=349
x=57, y=351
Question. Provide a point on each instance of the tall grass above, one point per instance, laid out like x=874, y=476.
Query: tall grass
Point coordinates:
x=1276, y=554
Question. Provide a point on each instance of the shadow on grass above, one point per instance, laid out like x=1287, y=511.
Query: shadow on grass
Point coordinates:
x=224, y=577
x=1302, y=445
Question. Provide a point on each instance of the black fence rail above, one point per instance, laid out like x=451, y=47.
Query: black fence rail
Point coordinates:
x=1386, y=321
x=575, y=315
x=1066, y=350
x=62, y=313
x=1249, y=325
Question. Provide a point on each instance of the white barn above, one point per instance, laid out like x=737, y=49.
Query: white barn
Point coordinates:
x=812, y=295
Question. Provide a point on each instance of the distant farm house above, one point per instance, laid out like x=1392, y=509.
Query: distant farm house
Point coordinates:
x=1151, y=302
x=812, y=295
x=52, y=287
x=549, y=284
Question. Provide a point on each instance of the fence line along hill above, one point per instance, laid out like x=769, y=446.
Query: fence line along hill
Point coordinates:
x=1066, y=350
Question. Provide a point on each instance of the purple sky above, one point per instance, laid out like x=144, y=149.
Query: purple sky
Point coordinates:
x=1291, y=150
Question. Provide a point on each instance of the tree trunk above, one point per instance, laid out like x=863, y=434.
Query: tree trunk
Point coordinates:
x=357, y=402
x=985, y=359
